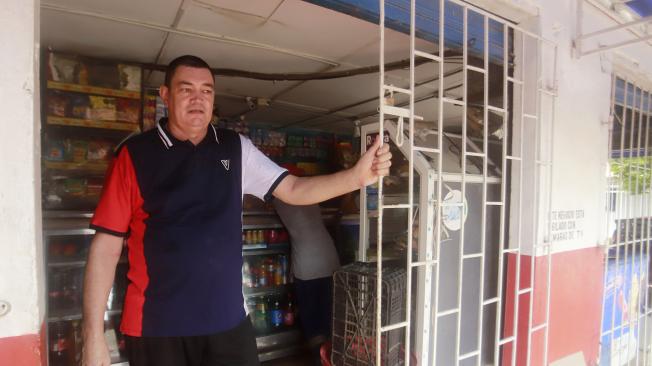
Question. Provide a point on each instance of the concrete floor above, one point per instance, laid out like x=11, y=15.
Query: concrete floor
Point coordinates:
x=296, y=360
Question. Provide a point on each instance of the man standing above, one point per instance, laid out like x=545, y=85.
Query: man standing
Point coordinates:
x=314, y=260
x=175, y=192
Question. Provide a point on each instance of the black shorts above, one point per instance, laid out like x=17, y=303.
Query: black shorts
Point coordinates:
x=315, y=301
x=234, y=347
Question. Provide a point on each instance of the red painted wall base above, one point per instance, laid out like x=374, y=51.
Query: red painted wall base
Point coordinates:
x=25, y=350
x=575, y=306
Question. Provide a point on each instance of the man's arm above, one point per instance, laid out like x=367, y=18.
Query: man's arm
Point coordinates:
x=308, y=190
x=103, y=258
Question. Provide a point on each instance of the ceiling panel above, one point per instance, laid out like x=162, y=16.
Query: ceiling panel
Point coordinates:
x=96, y=37
x=335, y=92
x=224, y=55
x=154, y=11
x=296, y=25
x=259, y=8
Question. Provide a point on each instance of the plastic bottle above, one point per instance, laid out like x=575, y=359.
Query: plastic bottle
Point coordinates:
x=60, y=345
x=276, y=315
x=283, y=260
x=262, y=276
x=278, y=274
x=260, y=322
x=246, y=274
x=288, y=314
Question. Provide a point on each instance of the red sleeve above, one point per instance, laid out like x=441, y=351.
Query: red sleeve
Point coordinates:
x=114, y=211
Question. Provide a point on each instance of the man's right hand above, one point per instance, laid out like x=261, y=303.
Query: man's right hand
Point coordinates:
x=95, y=351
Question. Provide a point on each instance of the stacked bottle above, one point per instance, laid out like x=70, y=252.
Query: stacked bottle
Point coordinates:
x=272, y=313
x=266, y=271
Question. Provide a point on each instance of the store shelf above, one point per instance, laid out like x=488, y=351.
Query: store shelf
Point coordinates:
x=91, y=167
x=274, y=340
x=262, y=226
x=93, y=90
x=78, y=122
x=273, y=354
x=75, y=314
x=263, y=249
x=78, y=263
x=262, y=291
x=62, y=214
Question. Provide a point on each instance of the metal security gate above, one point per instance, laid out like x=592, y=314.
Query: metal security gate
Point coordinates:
x=475, y=123
x=626, y=327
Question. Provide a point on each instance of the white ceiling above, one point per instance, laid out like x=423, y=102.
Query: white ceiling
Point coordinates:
x=270, y=36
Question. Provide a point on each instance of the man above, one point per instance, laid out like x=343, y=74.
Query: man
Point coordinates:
x=175, y=192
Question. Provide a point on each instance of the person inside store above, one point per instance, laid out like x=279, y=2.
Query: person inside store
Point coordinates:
x=314, y=260
x=175, y=194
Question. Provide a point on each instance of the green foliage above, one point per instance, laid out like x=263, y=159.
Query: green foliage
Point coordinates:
x=633, y=174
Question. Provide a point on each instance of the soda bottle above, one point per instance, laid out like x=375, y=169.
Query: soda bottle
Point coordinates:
x=284, y=268
x=55, y=291
x=60, y=352
x=246, y=274
x=262, y=276
x=260, y=318
x=278, y=274
x=276, y=315
x=77, y=341
x=270, y=272
x=288, y=315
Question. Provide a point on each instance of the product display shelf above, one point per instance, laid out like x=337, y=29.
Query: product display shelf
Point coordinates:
x=91, y=167
x=88, y=89
x=91, y=123
x=272, y=341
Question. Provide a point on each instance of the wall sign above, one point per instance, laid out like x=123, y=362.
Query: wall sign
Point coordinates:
x=567, y=225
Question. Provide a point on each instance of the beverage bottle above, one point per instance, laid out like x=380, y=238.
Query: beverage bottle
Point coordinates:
x=278, y=274
x=66, y=291
x=284, y=268
x=276, y=315
x=55, y=292
x=77, y=341
x=270, y=272
x=262, y=276
x=246, y=274
x=260, y=322
x=288, y=315
x=60, y=352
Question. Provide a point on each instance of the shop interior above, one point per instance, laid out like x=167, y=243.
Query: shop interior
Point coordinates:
x=301, y=81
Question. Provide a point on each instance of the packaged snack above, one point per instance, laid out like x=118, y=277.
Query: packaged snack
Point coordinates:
x=98, y=150
x=93, y=187
x=127, y=110
x=54, y=151
x=57, y=103
x=63, y=68
x=79, y=148
x=75, y=187
x=129, y=77
x=80, y=106
x=102, y=108
x=104, y=75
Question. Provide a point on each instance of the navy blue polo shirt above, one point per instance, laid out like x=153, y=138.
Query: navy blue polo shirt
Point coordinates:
x=180, y=207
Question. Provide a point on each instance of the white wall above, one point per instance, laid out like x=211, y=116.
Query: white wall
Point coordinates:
x=581, y=128
x=21, y=264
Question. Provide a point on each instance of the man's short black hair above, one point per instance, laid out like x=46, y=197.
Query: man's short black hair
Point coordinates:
x=185, y=60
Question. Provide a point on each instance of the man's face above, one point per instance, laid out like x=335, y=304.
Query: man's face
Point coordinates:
x=190, y=99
